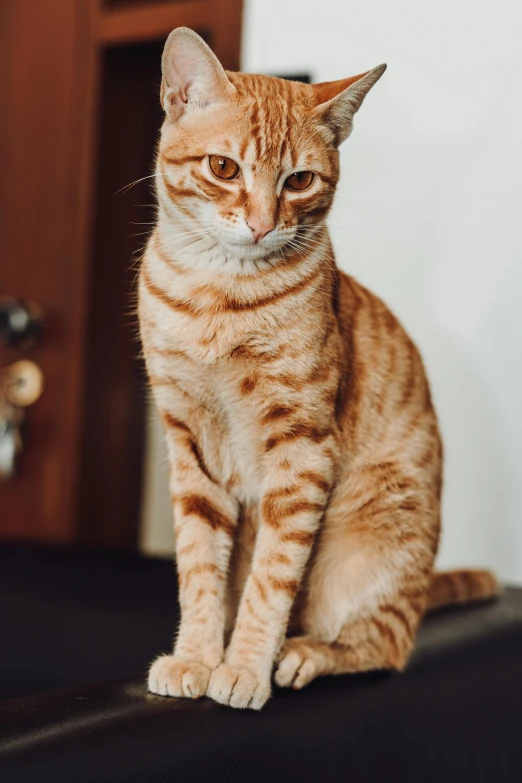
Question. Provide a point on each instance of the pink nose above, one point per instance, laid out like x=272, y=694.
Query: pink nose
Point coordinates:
x=260, y=230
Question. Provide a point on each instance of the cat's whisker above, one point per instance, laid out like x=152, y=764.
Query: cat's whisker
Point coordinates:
x=126, y=188
x=306, y=244
x=175, y=239
x=332, y=228
x=306, y=247
x=176, y=244
x=309, y=239
x=180, y=239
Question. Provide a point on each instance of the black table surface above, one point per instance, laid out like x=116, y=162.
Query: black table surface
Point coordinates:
x=455, y=714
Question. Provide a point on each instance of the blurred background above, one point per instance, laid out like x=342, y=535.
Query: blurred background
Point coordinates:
x=427, y=215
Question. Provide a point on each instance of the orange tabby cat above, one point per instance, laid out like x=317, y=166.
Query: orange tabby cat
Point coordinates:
x=305, y=454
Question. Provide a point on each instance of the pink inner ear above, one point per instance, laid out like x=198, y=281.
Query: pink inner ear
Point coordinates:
x=179, y=91
x=191, y=72
x=182, y=69
x=325, y=91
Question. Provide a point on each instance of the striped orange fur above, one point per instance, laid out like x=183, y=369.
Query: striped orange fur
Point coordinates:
x=306, y=462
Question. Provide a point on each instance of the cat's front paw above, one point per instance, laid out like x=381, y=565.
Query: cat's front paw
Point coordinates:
x=171, y=676
x=238, y=687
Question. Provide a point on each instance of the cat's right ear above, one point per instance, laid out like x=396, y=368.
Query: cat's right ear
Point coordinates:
x=192, y=74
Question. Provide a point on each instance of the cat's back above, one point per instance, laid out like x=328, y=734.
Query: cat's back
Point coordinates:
x=386, y=393
x=368, y=322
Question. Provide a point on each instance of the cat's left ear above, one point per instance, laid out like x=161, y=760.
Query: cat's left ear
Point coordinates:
x=338, y=101
x=192, y=74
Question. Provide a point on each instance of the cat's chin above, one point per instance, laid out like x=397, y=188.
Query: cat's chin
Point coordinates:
x=253, y=252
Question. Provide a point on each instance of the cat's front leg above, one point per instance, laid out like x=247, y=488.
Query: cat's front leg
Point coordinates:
x=298, y=481
x=205, y=518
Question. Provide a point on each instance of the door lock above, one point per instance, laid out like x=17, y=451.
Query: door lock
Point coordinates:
x=20, y=323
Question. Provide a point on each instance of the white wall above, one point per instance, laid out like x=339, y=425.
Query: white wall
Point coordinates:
x=427, y=215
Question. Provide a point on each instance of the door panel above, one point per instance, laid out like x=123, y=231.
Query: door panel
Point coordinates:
x=47, y=68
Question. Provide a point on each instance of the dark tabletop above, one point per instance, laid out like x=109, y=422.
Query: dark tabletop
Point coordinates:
x=455, y=714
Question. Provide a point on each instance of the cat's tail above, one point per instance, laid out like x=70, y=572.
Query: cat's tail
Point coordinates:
x=460, y=587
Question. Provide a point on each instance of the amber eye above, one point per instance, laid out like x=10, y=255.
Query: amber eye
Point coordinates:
x=223, y=168
x=300, y=180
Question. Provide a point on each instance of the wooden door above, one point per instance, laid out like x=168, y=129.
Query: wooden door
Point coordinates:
x=47, y=71
x=67, y=68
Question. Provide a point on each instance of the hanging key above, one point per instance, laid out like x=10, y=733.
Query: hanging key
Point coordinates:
x=21, y=385
x=10, y=438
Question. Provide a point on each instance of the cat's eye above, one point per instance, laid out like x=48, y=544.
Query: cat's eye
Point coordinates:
x=223, y=168
x=301, y=180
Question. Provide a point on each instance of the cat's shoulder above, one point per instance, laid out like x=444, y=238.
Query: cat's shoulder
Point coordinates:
x=360, y=307
x=354, y=296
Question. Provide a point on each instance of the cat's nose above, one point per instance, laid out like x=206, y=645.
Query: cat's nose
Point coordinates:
x=260, y=230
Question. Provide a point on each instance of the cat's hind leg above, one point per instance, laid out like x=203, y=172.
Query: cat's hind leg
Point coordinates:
x=364, y=598
x=380, y=641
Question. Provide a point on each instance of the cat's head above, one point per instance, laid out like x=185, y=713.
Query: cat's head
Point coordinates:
x=250, y=162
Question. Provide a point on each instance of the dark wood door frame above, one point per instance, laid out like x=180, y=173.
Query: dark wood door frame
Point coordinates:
x=81, y=473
